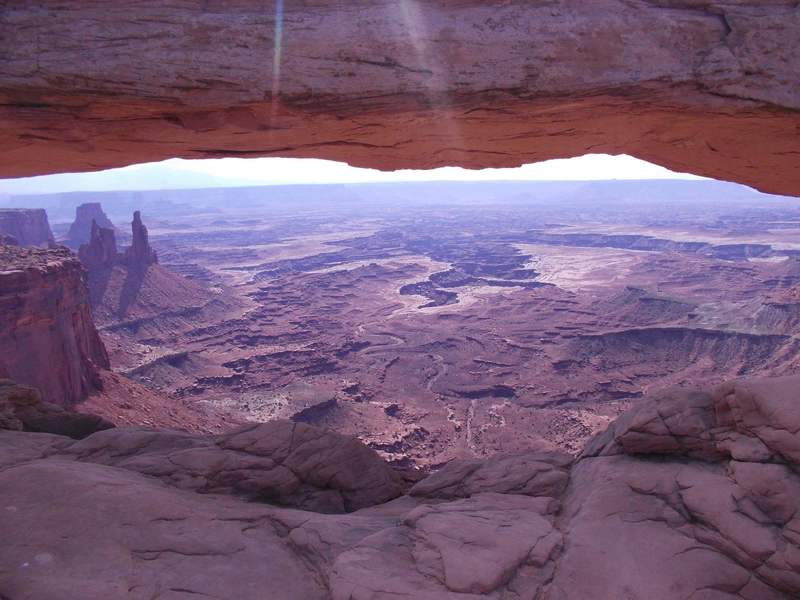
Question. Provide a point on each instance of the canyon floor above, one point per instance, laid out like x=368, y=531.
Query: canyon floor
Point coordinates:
x=435, y=328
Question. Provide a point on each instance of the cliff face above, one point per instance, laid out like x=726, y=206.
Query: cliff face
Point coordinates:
x=420, y=85
x=81, y=229
x=47, y=337
x=28, y=226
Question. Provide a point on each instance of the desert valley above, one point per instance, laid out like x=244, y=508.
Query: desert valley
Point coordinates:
x=438, y=320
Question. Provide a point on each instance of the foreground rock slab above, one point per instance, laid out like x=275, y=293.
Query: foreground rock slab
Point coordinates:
x=691, y=495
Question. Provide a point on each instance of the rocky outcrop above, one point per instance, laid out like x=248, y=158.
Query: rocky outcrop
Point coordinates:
x=86, y=216
x=477, y=84
x=139, y=255
x=22, y=409
x=690, y=495
x=100, y=252
x=47, y=337
x=27, y=226
x=290, y=464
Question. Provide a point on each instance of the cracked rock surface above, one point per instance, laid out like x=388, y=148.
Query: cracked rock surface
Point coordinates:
x=691, y=496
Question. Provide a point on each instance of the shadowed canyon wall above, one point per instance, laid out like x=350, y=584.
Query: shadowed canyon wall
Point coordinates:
x=702, y=86
x=47, y=337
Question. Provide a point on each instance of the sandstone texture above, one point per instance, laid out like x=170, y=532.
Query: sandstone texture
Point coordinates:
x=479, y=84
x=86, y=215
x=26, y=226
x=47, y=337
x=692, y=495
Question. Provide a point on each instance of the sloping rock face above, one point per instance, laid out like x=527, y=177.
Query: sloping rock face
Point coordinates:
x=692, y=495
x=27, y=226
x=477, y=84
x=47, y=321
x=86, y=215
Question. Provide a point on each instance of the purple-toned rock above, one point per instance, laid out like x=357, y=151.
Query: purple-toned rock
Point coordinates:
x=80, y=231
x=140, y=255
x=28, y=226
x=100, y=252
x=48, y=339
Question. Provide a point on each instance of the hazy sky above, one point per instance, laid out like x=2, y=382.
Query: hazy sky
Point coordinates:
x=179, y=173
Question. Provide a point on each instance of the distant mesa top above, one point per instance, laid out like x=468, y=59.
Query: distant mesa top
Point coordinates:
x=27, y=226
x=81, y=229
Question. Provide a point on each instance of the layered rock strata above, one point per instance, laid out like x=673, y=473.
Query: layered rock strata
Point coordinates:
x=477, y=84
x=86, y=216
x=47, y=337
x=690, y=495
x=26, y=226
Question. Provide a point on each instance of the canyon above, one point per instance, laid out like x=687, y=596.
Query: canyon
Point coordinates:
x=431, y=329
x=517, y=391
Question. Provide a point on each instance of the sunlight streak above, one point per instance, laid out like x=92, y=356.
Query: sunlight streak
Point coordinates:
x=412, y=16
x=276, y=57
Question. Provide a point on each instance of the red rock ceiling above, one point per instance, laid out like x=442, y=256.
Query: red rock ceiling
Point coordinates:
x=701, y=86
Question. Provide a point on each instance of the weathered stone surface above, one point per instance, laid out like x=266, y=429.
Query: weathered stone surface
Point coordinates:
x=86, y=215
x=22, y=409
x=26, y=226
x=47, y=321
x=765, y=409
x=756, y=420
x=286, y=463
x=659, y=515
x=535, y=474
x=103, y=533
x=478, y=84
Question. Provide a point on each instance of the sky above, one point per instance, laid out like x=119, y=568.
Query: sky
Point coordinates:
x=178, y=173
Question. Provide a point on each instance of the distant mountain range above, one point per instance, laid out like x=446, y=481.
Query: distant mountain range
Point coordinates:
x=175, y=202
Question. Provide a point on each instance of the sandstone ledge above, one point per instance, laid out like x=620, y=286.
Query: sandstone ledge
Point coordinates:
x=666, y=504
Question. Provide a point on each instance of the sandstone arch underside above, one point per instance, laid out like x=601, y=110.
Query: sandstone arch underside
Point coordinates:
x=707, y=87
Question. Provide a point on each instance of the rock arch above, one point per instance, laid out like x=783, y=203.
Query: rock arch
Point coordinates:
x=711, y=87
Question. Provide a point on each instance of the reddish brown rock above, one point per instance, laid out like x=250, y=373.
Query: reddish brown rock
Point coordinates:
x=139, y=255
x=477, y=84
x=27, y=226
x=646, y=521
x=100, y=252
x=80, y=232
x=22, y=409
x=290, y=464
x=47, y=337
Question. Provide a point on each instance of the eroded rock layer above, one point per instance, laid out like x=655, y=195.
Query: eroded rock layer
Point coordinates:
x=47, y=337
x=690, y=495
x=479, y=84
x=26, y=226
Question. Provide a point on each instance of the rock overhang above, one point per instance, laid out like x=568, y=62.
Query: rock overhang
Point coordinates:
x=707, y=87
